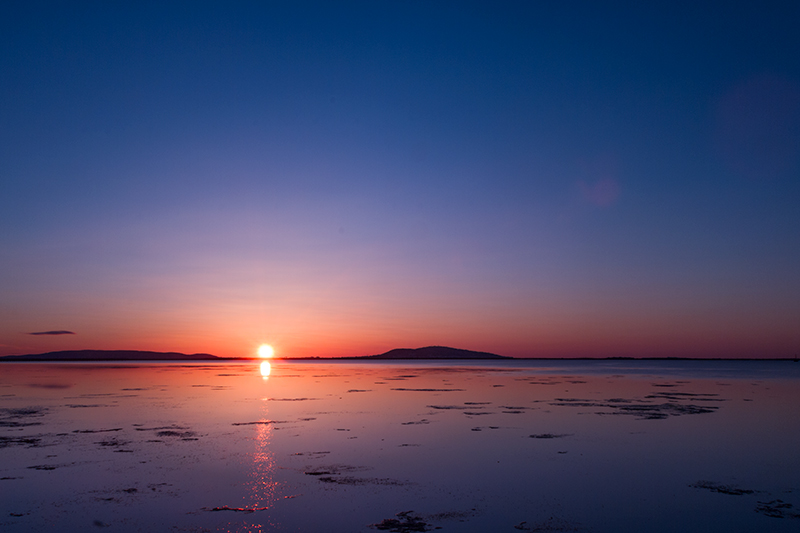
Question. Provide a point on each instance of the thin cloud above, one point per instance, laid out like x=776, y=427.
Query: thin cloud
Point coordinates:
x=56, y=332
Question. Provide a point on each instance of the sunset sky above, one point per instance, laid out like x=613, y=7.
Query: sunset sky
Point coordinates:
x=534, y=179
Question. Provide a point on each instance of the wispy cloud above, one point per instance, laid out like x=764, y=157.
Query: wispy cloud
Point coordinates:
x=55, y=332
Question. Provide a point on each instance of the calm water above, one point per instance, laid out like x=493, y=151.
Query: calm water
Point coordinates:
x=343, y=447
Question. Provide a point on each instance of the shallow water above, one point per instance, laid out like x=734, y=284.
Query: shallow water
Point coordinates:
x=341, y=447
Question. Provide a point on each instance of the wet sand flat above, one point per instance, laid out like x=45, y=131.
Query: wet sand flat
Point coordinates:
x=400, y=446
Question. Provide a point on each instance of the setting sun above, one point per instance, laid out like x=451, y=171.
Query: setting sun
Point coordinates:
x=265, y=351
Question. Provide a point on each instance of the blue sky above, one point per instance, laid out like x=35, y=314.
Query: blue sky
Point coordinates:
x=346, y=178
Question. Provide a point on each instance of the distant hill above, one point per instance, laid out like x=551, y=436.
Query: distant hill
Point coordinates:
x=435, y=352
x=111, y=355
x=429, y=352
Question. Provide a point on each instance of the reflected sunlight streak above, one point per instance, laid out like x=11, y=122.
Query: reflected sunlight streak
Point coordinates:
x=265, y=368
x=263, y=486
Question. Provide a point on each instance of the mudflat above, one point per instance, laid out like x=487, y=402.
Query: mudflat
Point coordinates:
x=400, y=446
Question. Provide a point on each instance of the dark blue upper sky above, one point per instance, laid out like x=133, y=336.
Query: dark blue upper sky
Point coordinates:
x=341, y=177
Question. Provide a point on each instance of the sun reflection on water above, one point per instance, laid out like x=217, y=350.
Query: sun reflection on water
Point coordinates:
x=262, y=488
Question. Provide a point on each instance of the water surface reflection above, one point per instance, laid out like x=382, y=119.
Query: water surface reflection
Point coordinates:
x=337, y=447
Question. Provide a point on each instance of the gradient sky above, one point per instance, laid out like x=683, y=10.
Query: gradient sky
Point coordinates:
x=343, y=178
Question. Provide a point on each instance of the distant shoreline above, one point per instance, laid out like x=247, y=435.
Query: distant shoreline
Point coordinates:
x=111, y=355
x=433, y=353
x=509, y=358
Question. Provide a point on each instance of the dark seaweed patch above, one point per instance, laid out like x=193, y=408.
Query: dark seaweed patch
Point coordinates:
x=183, y=435
x=777, y=509
x=428, y=390
x=645, y=411
x=19, y=417
x=416, y=422
x=677, y=396
x=97, y=430
x=351, y=480
x=404, y=523
x=236, y=509
x=159, y=428
x=180, y=432
x=513, y=409
x=452, y=515
x=43, y=467
x=550, y=435
x=336, y=469
x=30, y=442
x=664, y=410
x=731, y=490
x=551, y=524
x=339, y=474
x=111, y=443
x=313, y=455
x=260, y=423
x=684, y=394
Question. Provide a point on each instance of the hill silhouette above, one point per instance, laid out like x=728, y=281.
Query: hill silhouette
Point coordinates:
x=111, y=355
x=428, y=352
x=435, y=352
